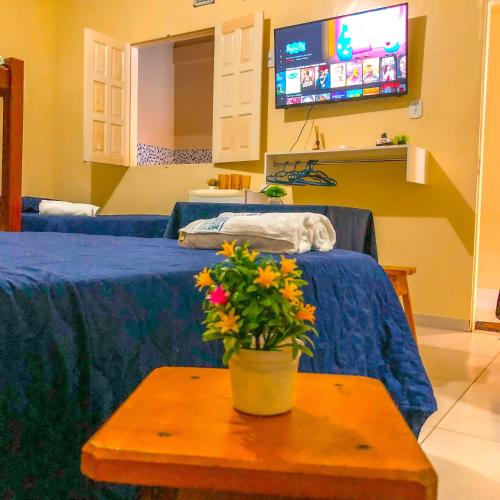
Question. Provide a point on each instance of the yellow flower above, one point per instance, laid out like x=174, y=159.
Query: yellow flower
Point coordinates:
x=228, y=322
x=227, y=249
x=251, y=255
x=267, y=277
x=288, y=266
x=203, y=278
x=306, y=314
x=290, y=292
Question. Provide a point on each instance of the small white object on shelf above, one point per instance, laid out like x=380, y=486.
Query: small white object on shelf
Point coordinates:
x=217, y=196
x=413, y=157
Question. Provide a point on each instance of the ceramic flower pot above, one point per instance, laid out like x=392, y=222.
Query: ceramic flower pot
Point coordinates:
x=263, y=381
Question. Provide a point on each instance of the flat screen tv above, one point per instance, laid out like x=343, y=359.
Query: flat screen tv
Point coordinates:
x=345, y=58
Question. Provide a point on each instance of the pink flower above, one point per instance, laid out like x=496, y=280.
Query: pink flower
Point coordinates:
x=218, y=296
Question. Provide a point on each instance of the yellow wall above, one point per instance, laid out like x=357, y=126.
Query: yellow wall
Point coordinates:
x=431, y=227
x=489, y=243
x=27, y=33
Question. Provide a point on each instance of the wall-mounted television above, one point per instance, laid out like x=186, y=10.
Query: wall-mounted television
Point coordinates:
x=345, y=58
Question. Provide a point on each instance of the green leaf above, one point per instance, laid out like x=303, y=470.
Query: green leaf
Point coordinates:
x=227, y=355
x=307, y=339
x=306, y=350
x=252, y=310
x=207, y=337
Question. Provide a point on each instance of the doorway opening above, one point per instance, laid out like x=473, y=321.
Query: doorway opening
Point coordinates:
x=172, y=100
x=487, y=260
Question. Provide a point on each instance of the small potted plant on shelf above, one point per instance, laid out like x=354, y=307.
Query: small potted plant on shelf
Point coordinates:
x=275, y=194
x=401, y=139
x=212, y=183
x=255, y=305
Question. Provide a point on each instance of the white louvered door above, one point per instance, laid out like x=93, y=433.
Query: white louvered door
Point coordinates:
x=106, y=99
x=238, y=89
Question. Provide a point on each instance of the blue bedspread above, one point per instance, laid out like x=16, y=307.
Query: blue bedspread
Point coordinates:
x=140, y=226
x=83, y=319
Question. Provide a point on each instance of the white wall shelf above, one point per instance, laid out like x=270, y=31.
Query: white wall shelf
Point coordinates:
x=413, y=157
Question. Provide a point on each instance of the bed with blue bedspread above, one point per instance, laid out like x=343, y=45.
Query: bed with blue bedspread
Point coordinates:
x=84, y=319
x=140, y=226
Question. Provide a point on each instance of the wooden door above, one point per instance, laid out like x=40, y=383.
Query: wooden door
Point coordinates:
x=238, y=89
x=106, y=99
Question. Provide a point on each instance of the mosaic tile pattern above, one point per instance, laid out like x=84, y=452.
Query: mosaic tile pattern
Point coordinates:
x=193, y=156
x=148, y=155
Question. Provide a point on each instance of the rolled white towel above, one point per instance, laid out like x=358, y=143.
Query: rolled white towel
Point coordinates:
x=52, y=207
x=268, y=232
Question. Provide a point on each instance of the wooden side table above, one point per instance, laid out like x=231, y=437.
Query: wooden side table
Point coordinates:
x=399, y=279
x=344, y=438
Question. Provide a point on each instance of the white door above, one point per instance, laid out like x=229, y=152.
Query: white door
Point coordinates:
x=106, y=99
x=238, y=89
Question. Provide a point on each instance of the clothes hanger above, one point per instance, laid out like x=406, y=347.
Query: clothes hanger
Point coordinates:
x=309, y=176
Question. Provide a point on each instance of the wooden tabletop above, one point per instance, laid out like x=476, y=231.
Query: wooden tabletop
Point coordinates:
x=344, y=438
x=403, y=270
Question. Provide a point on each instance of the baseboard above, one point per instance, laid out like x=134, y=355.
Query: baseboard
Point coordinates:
x=442, y=323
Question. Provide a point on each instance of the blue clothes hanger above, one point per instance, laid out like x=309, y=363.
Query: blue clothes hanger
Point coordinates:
x=309, y=176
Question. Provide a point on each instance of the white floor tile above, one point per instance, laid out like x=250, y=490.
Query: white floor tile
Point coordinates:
x=478, y=412
x=468, y=468
x=451, y=363
x=447, y=393
x=425, y=432
x=484, y=343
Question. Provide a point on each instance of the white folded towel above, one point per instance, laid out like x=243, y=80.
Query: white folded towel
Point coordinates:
x=277, y=232
x=52, y=207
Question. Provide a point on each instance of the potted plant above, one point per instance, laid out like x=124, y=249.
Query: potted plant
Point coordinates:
x=401, y=139
x=275, y=194
x=212, y=183
x=255, y=305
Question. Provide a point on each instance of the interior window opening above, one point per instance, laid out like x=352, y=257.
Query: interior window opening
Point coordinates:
x=175, y=81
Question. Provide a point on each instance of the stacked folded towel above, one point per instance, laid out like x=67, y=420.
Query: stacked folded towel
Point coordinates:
x=269, y=232
x=52, y=207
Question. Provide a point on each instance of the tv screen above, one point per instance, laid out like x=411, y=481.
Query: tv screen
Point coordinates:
x=345, y=58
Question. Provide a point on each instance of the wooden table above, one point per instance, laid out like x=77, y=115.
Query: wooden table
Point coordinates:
x=344, y=438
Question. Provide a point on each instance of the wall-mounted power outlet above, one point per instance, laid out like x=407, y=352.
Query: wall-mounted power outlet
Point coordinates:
x=416, y=109
x=270, y=59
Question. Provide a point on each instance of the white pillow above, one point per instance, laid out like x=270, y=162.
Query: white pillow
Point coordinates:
x=50, y=207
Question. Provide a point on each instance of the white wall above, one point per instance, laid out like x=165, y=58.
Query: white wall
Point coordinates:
x=155, y=119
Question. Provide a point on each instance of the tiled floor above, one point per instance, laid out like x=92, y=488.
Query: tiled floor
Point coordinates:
x=462, y=439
